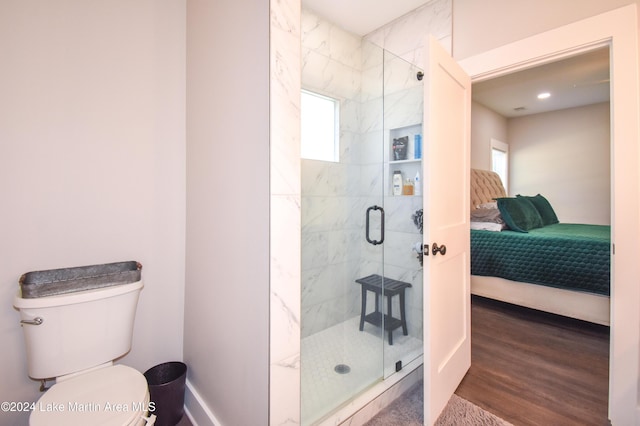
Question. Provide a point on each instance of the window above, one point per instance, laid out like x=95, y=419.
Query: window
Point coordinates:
x=500, y=161
x=319, y=127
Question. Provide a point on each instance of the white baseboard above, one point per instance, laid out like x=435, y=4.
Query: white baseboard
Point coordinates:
x=189, y=416
x=195, y=408
x=356, y=413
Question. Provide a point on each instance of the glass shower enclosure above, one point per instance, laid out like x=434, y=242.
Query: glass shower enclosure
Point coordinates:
x=361, y=271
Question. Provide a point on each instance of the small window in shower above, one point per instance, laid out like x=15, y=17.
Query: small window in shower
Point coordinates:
x=320, y=130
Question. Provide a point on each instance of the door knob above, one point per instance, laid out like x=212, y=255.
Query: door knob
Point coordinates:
x=435, y=249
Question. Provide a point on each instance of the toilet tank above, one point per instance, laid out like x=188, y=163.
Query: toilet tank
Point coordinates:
x=78, y=330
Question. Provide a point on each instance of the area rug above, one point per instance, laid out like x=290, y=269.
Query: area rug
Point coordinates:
x=407, y=411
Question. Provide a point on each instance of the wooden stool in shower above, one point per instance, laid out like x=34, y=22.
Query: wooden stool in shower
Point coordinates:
x=391, y=288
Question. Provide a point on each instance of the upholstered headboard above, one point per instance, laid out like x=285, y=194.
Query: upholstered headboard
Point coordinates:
x=485, y=186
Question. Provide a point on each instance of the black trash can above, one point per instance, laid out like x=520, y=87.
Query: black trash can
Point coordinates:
x=166, y=389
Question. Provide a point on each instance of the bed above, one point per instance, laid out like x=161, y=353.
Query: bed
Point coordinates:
x=522, y=254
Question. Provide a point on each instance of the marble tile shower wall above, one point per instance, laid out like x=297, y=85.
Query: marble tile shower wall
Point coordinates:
x=331, y=65
x=406, y=36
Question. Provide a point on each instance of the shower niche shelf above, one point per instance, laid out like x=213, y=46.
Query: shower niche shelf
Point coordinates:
x=409, y=166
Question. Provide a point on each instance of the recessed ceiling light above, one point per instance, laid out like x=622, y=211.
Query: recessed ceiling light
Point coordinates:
x=544, y=95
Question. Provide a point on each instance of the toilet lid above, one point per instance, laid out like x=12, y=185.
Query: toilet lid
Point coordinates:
x=115, y=395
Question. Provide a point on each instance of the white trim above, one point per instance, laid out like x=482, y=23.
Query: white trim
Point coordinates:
x=504, y=147
x=617, y=29
x=497, y=144
x=196, y=409
x=189, y=416
x=335, y=102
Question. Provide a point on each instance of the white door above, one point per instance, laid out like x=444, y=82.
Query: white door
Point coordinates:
x=447, y=300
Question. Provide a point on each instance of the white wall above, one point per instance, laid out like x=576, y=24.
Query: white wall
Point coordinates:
x=565, y=156
x=226, y=339
x=479, y=26
x=92, y=160
x=486, y=124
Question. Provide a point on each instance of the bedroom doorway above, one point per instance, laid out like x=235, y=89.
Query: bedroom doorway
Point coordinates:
x=616, y=29
x=551, y=134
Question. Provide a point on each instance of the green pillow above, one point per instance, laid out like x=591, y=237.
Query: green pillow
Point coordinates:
x=519, y=214
x=543, y=206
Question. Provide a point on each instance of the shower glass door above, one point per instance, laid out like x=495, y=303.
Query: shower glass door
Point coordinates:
x=351, y=222
x=341, y=195
x=403, y=115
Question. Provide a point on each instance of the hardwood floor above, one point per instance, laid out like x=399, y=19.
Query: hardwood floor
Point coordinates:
x=533, y=368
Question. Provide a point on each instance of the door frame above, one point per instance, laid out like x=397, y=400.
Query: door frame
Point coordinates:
x=618, y=30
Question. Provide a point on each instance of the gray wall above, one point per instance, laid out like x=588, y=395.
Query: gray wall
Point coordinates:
x=226, y=338
x=92, y=161
x=485, y=125
x=565, y=156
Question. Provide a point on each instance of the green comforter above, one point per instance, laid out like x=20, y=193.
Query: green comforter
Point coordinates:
x=563, y=255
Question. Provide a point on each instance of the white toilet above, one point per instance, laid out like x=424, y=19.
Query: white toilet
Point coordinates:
x=74, y=338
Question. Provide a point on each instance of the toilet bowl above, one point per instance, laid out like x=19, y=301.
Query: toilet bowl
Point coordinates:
x=74, y=337
x=115, y=396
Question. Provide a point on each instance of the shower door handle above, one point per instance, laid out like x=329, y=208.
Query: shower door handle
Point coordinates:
x=369, y=240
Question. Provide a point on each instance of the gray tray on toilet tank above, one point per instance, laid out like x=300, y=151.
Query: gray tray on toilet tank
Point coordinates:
x=68, y=280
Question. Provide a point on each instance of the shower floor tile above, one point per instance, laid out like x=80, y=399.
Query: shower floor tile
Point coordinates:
x=323, y=388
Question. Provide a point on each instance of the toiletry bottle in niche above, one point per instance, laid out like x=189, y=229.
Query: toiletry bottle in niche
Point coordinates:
x=417, y=146
x=407, y=189
x=417, y=190
x=397, y=182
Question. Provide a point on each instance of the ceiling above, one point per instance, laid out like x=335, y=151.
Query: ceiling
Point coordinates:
x=576, y=81
x=361, y=17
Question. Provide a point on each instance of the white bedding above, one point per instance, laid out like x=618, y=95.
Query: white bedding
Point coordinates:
x=488, y=226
